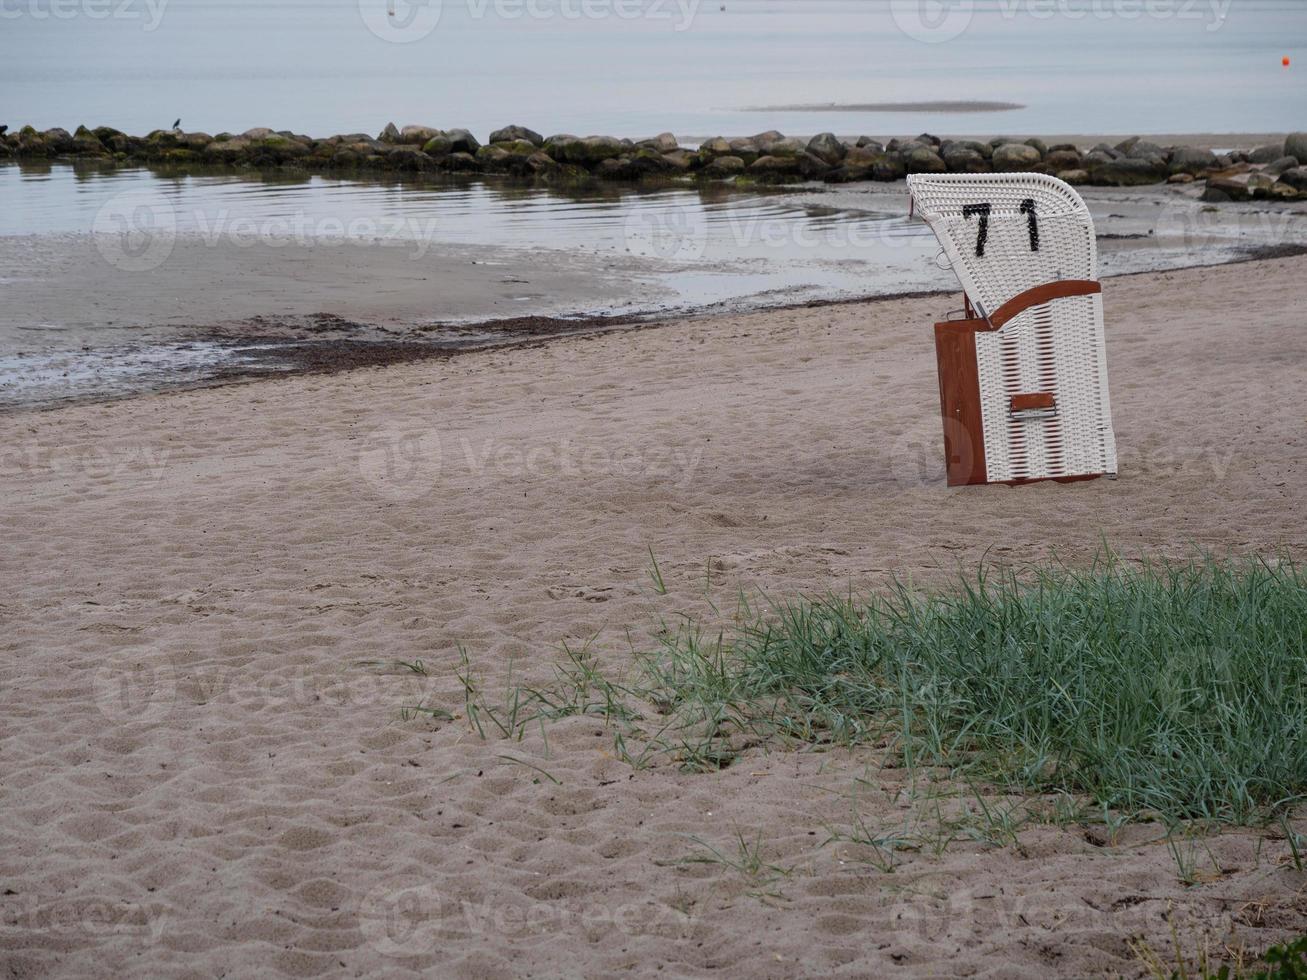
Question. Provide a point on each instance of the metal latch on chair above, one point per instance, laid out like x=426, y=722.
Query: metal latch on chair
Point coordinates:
x=1033, y=406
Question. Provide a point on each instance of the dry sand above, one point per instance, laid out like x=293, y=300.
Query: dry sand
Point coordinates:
x=196, y=780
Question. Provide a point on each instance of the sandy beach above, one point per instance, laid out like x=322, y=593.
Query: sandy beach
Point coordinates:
x=199, y=778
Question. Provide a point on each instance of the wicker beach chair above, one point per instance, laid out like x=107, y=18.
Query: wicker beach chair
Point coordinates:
x=1023, y=377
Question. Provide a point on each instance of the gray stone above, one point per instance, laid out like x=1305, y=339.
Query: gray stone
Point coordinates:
x=825, y=147
x=1188, y=160
x=786, y=147
x=227, y=151
x=460, y=162
x=438, y=146
x=541, y=163
x=1281, y=165
x=724, y=166
x=409, y=158
x=511, y=134
x=715, y=147
x=770, y=166
x=813, y=167
x=1143, y=150
x=1233, y=188
x=746, y=149
x=1265, y=154
x=663, y=143
x=964, y=160
x=1039, y=145
x=1063, y=159
x=1129, y=171
x=461, y=141
x=1295, y=145
x=1015, y=156
x=1295, y=178
x=390, y=134
x=588, y=151
x=923, y=160
x=416, y=135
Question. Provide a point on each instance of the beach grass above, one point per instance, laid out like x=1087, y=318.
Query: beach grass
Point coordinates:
x=1167, y=690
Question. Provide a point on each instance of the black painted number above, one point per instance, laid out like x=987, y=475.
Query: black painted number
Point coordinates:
x=982, y=232
x=983, y=209
x=1028, y=209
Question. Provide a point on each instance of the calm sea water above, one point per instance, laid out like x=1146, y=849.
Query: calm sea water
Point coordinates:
x=633, y=67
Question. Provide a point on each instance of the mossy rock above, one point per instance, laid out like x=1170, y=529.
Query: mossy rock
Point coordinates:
x=717, y=146
x=724, y=166
x=227, y=151
x=517, y=147
x=515, y=134
x=460, y=163
x=438, y=146
x=409, y=158
x=494, y=158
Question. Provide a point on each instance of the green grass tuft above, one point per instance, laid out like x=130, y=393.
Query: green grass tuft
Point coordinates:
x=1177, y=689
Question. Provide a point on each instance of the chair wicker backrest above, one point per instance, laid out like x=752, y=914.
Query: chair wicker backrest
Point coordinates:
x=1005, y=234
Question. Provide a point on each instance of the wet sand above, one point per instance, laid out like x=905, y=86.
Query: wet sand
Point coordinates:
x=197, y=777
x=81, y=320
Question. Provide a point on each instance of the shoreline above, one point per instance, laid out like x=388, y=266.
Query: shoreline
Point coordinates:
x=272, y=358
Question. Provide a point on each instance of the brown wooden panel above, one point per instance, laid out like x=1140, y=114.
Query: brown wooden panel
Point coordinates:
x=1039, y=295
x=1034, y=399
x=959, y=401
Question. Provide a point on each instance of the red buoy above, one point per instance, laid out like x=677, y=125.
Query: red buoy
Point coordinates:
x=1285, y=61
